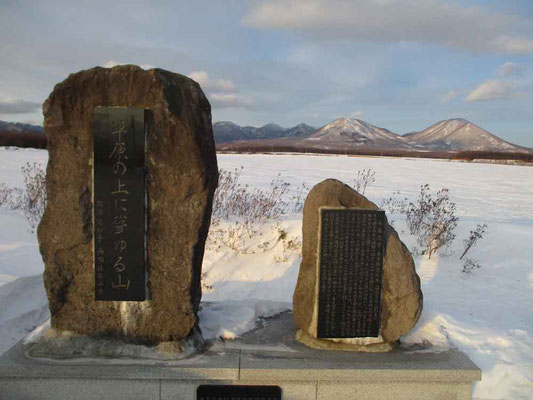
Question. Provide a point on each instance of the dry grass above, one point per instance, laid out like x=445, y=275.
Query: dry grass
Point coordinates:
x=240, y=212
x=31, y=199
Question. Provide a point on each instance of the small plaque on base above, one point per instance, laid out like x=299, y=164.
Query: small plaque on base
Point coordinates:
x=236, y=392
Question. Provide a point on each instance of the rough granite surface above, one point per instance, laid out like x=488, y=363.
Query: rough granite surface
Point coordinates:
x=401, y=294
x=182, y=175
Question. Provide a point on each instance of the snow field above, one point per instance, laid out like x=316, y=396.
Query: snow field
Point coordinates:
x=486, y=313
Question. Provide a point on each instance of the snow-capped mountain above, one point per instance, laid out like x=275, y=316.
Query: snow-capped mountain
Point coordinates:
x=300, y=130
x=354, y=132
x=22, y=135
x=269, y=131
x=225, y=131
x=19, y=127
x=458, y=134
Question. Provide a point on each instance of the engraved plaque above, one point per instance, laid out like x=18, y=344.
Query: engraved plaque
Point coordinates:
x=235, y=392
x=350, y=272
x=119, y=203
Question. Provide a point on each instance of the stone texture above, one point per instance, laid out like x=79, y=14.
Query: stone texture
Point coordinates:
x=181, y=178
x=401, y=294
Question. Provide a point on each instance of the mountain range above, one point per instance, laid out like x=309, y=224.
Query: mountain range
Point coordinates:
x=229, y=132
x=455, y=134
x=449, y=135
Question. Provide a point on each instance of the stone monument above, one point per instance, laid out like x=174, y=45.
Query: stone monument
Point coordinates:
x=357, y=288
x=131, y=176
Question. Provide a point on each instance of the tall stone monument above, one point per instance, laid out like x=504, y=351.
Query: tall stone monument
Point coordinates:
x=131, y=175
x=357, y=288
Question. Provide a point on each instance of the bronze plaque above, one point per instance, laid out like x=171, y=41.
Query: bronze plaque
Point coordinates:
x=119, y=204
x=350, y=272
x=238, y=392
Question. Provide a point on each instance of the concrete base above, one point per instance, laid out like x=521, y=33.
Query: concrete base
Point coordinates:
x=268, y=356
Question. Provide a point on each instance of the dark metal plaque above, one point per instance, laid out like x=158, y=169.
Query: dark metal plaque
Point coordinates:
x=234, y=392
x=119, y=204
x=350, y=273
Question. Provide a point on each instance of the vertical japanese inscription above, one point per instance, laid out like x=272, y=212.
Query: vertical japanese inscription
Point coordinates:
x=119, y=204
x=350, y=272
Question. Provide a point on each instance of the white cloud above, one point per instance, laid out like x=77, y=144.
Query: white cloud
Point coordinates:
x=511, y=69
x=200, y=77
x=449, y=96
x=222, y=92
x=33, y=122
x=513, y=44
x=230, y=100
x=17, y=106
x=495, y=90
x=422, y=21
x=356, y=114
x=113, y=63
x=221, y=85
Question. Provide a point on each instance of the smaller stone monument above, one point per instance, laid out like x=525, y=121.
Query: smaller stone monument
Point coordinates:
x=357, y=288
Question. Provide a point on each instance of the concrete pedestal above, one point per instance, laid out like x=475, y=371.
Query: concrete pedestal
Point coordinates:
x=268, y=356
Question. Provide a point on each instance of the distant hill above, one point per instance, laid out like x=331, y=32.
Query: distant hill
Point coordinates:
x=18, y=127
x=349, y=132
x=458, y=134
x=22, y=135
x=225, y=132
x=300, y=130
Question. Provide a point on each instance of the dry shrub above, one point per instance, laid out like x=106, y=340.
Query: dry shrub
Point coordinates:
x=245, y=210
x=5, y=195
x=432, y=219
x=255, y=206
x=289, y=243
x=472, y=239
x=395, y=204
x=365, y=177
x=470, y=265
x=31, y=199
x=298, y=200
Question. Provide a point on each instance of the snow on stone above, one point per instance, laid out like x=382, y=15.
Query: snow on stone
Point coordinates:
x=487, y=313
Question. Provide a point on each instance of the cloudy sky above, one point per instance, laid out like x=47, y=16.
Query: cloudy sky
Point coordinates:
x=398, y=64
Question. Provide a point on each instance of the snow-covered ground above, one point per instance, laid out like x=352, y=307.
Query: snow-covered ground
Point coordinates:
x=487, y=313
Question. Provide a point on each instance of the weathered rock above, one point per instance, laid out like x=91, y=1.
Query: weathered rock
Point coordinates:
x=401, y=294
x=181, y=178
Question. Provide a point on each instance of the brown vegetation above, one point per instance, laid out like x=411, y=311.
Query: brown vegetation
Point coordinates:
x=493, y=155
x=265, y=147
x=23, y=139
